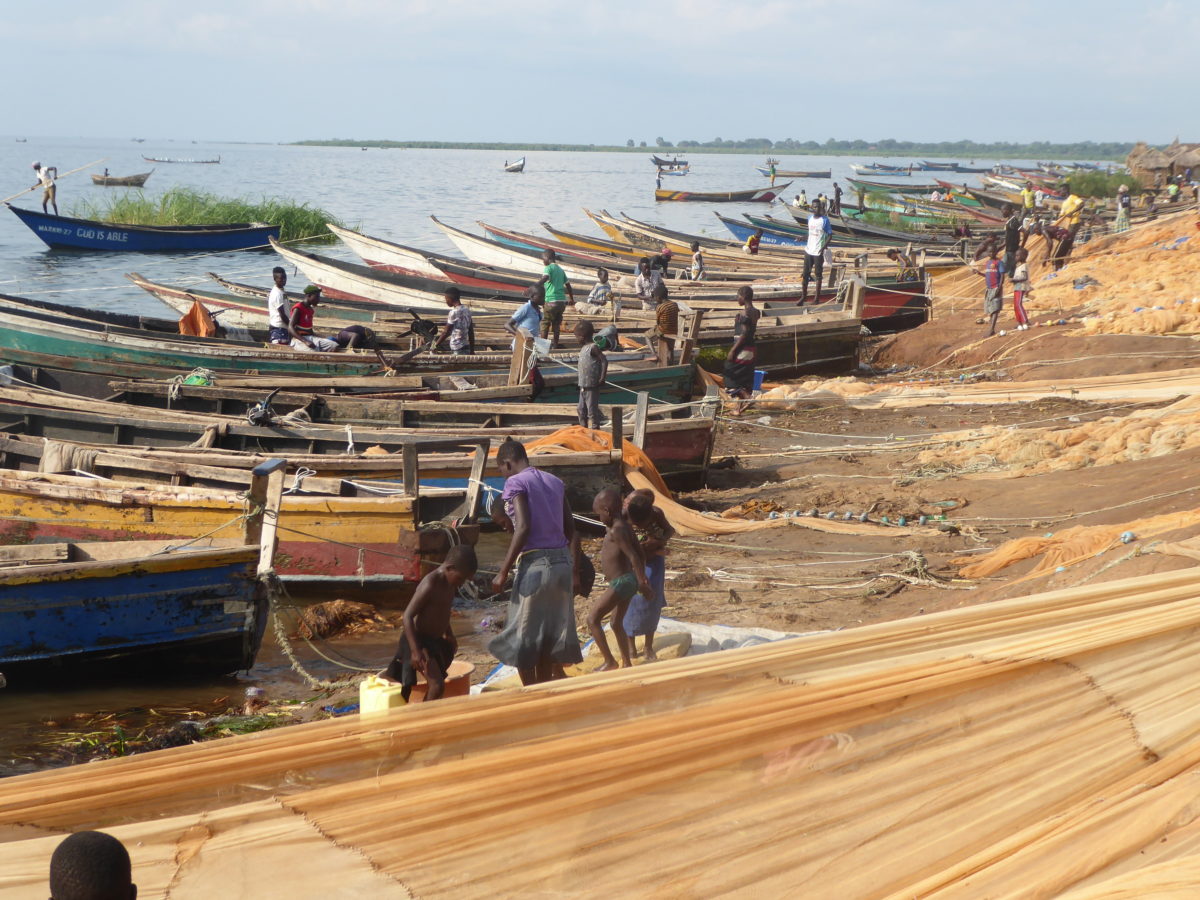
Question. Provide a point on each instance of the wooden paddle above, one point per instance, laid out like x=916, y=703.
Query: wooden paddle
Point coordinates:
x=64, y=175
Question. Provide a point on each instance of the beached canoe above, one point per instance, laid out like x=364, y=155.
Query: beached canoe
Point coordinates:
x=85, y=234
x=518, y=166
x=122, y=180
x=78, y=606
x=757, y=195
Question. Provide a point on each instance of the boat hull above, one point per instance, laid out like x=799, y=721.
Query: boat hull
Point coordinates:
x=754, y=196
x=205, y=610
x=64, y=232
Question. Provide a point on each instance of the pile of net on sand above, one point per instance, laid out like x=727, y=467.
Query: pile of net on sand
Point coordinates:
x=1140, y=435
x=1071, y=545
x=642, y=474
x=1142, y=281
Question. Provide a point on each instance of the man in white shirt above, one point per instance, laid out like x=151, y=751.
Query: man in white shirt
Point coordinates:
x=277, y=316
x=819, y=233
x=45, y=180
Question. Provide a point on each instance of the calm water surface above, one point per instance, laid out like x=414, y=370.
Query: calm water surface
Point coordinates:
x=389, y=193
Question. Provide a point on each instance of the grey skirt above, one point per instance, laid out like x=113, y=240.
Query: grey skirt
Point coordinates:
x=541, y=612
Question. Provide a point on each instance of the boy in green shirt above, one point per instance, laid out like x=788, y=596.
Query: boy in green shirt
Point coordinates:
x=558, y=289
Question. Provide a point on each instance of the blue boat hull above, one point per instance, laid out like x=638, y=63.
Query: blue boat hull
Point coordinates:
x=64, y=232
x=203, y=614
x=772, y=238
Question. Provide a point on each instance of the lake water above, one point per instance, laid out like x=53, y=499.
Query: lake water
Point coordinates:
x=388, y=193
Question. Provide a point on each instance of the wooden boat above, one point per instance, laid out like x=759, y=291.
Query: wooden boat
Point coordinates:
x=751, y=196
x=680, y=171
x=518, y=166
x=199, y=607
x=930, y=166
x=122, y=180
x=85, y=234
x=790, y=173
x=881, y=169
x=668, y=163
x=883, y=187
x=323, y=539
x=75, y=605
x=201, y=162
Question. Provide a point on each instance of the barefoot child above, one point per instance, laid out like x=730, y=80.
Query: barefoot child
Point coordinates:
x=1020, y=283
x=428, y=644
x=625, y=569
x=653, y=531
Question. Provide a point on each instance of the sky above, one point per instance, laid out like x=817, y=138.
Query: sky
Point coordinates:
x=601, y=72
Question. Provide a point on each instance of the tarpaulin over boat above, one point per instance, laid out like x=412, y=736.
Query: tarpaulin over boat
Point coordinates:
x=1037, y=747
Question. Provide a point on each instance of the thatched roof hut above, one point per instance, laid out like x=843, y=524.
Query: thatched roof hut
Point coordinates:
x=1145, y=163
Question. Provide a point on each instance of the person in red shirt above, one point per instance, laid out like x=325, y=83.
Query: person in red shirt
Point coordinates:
x=300, y=323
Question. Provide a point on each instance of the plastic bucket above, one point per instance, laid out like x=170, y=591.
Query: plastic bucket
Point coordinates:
x=759, y=376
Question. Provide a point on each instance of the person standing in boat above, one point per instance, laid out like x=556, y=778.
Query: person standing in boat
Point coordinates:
x=277, y=317
x=648, y=279
x=540, y=627
x=739, y=364
x=459, y=327
x=837, y=199
x=557, y=289
x=46, y=176
x=300, y=324
x=773, y=173
x=697, y=262
x=528, y=316
x=819, y=233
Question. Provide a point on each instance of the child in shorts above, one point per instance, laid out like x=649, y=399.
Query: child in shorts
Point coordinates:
x=624, y=568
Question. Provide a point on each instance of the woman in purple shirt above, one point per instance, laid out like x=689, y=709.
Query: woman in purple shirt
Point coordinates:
x=540, y=630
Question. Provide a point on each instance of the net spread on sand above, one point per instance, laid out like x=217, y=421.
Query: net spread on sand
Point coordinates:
x=1045, y=746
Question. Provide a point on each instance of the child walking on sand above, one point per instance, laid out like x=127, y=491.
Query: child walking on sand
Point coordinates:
x=428, y=644
x=1020, y=283
x=993, y=279
x=624, y=568
x=653, y=531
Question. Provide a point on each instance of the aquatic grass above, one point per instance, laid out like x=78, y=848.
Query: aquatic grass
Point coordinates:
x=188, y=206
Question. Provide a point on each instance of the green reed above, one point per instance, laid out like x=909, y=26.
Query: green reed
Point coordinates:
x=188, y=206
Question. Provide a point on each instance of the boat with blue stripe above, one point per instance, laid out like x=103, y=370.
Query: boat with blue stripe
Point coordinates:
x=64, y=232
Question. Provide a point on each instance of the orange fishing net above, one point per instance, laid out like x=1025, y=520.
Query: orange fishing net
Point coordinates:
x=1047, y=746
x=1071, y=545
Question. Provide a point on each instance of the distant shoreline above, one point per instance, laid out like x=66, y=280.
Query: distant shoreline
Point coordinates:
x=1049, y=152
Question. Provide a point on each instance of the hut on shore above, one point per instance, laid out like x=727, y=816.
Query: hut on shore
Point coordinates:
x=1149, y=165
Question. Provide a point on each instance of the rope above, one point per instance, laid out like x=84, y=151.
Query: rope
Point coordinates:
x=298, y=479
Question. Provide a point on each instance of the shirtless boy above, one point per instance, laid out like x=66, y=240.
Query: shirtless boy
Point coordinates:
x=625, y=570
x=428, y=644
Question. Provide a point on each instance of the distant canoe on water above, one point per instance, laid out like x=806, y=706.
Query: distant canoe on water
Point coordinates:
x=122, y=180
x=84, y=234
x=518, y=166
x=668, y=163
x=202, y=162
x=754, y=196
x=789, y=173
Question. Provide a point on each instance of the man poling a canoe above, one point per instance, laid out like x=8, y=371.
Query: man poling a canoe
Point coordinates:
x=46, y=176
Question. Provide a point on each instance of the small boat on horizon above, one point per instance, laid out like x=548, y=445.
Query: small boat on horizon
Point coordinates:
x=675, y=163
x=791, y=173
x=200, y=162
x=518, y=166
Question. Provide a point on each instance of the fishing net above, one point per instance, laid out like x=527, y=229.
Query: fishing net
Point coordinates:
x=1071, y=545
x=1038, y=747
x=1104, y=442
x=641, y=473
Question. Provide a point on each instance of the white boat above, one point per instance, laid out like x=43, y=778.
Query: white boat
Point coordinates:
x=518, y=166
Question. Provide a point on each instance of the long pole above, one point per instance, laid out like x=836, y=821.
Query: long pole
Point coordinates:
x=64, y=175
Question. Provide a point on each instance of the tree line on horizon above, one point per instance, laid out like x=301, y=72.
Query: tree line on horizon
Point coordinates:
x=832, y=147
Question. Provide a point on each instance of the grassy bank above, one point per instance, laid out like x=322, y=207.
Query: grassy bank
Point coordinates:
x=187, y=206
